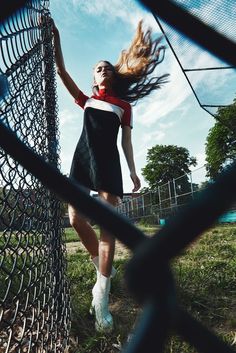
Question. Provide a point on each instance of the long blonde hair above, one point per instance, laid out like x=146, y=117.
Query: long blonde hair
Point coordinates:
x=136, y=64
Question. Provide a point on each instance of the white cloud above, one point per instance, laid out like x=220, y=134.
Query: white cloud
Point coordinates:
x=157, y=135
x=67, y=117
x=166, y=126
x=166, y=100
x=126, y=10
x=70, y=124
x=199, y=172
x=148, y=140
x=201, y=159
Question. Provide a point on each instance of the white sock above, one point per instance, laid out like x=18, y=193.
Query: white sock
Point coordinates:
x=95, y=261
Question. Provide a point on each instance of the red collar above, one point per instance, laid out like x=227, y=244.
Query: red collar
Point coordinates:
x=103, y=92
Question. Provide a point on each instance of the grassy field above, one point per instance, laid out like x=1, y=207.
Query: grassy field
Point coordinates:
x=206, y=282
x=204, y=273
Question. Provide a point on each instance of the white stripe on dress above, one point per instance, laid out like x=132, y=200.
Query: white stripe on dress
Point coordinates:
x=106, y=106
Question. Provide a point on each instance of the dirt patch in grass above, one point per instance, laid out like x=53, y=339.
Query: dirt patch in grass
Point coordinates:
x=121, y=251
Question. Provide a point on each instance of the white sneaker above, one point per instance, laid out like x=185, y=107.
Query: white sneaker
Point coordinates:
x=99, y=306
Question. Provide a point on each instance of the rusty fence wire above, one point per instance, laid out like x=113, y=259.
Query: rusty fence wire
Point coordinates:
x=148, y=274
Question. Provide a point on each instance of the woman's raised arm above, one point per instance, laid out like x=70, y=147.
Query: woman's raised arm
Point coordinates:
x=61, y=69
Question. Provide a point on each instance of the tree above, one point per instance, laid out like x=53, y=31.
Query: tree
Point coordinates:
x=165, y=163
x=221, y=141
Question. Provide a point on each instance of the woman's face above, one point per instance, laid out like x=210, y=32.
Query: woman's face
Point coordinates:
x=103, y=74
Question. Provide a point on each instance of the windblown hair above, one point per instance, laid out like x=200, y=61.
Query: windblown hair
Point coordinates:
x=132, y=72
x=136, y=64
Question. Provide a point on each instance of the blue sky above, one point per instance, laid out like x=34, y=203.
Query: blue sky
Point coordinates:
x=94, y=30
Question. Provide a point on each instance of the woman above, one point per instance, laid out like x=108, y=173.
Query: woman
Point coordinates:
x=96, y=163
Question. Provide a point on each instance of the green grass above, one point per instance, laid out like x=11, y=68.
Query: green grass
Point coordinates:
x=205, y=279
x=71, y=235
x=206, y=286
x=82, y=278
x=21, y=238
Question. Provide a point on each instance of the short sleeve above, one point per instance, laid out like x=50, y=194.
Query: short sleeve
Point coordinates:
x=81, y=100
x=127, y=118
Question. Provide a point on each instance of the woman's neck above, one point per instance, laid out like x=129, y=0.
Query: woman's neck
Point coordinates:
x=106, y=88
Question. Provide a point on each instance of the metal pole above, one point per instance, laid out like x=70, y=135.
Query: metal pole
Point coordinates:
x=191, y=183
x=170, y=195
x=55, y=250
x=175, y=194
x=159, y=196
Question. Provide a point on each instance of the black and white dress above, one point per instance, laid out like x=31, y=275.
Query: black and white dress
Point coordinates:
x=96, y=161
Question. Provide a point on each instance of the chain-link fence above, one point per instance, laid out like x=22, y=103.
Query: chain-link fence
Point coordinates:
x=201, y=69
x=157, y=206
x=34, y=312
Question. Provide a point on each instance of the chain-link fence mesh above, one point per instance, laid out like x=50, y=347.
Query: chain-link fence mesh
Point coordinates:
x=34, y=312
x=158, y=205
x=212, y=80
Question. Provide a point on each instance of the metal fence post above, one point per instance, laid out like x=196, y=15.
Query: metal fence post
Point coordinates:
x=191, y=183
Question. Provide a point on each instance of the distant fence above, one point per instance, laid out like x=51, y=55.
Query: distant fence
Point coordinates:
x=157, y=206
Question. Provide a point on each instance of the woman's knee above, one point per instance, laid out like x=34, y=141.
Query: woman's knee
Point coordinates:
x=108, y=198
x=74, y=217
x=106, y=237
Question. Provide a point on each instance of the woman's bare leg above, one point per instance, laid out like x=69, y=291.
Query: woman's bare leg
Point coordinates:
x=84, y=230
x=107, y=240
